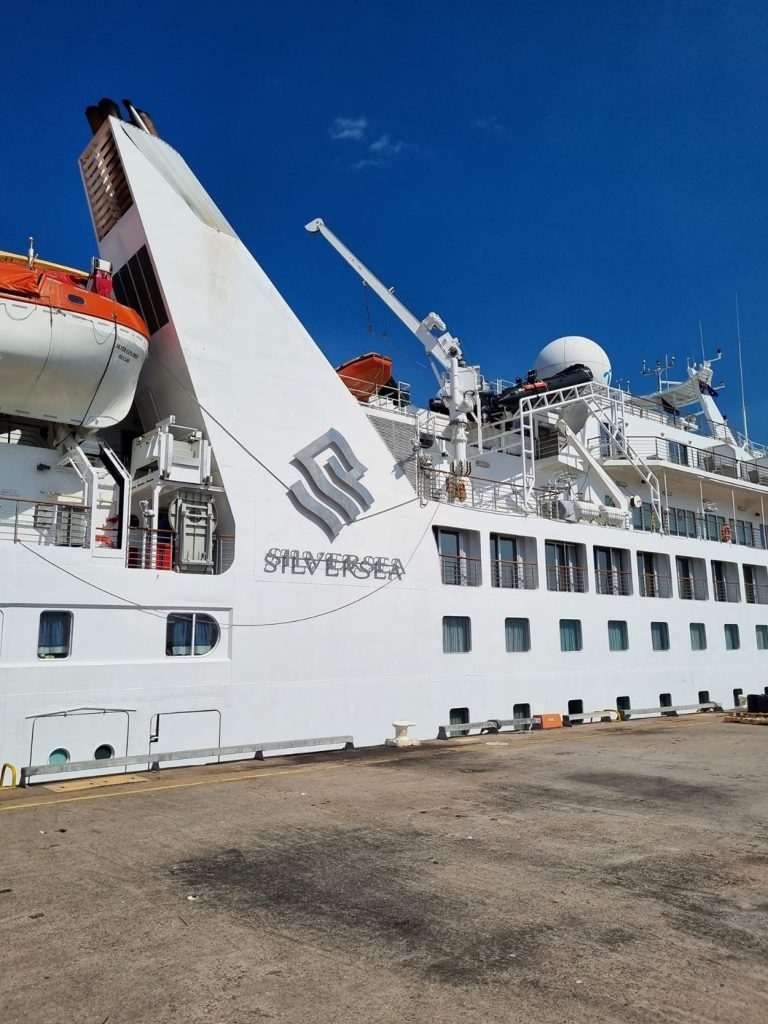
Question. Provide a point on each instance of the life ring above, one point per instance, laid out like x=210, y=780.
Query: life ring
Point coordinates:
x=106, y=542
x=725, y=533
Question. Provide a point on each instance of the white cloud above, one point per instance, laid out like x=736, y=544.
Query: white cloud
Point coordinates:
x=349, y=128
x=489, y=124
x=385, y=147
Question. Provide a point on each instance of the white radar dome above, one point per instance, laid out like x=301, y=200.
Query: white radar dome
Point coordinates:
x=564, y=352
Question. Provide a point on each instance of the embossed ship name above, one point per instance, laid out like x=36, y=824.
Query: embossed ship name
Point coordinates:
x=331, y=563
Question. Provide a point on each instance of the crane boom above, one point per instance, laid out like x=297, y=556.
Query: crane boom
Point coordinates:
x=440, y=348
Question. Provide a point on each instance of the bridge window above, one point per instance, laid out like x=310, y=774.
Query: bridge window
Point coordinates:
x=190, y=633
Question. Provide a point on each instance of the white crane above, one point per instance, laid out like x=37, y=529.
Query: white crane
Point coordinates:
x=459, y=384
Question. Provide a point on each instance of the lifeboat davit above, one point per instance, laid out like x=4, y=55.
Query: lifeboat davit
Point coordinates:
x=69, y=353
x=366, y=375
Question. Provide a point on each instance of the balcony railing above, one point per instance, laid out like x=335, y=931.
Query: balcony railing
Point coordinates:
x=567, y=578
x=692, y=588
x=514, y=575
x=726, y=590
x=460, y=571
x=653, y=584
x=678, y=453
x=44, y=523
x=756, y=593
x=613, y=581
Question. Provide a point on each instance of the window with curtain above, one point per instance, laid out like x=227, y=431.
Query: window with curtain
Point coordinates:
x=618, y=635
x=54, y=636
x=506, y=568
x=518, y=635
x=189, y=634
x=732, y=641
x=660, y=636
x=570, y=635
x=698, y=636
x=761, y=633
x=457, y=634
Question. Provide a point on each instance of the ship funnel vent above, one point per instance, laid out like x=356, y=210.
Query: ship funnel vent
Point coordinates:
x=135, y=285
x=105, y=183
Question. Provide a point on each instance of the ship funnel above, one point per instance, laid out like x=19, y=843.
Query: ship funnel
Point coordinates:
x=95, y=118
x=150, y=124
x=109, y=108
x=134, y=115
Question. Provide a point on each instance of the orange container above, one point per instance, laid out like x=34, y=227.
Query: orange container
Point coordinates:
x=551, y=721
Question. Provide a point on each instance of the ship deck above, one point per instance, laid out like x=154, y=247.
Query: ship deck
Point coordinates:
x=602, y=873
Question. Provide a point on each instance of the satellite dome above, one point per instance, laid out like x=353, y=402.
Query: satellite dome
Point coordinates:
x=564, y=352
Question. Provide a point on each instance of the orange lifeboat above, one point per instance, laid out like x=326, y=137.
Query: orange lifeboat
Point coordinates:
x=70, y=353
x=366, y=375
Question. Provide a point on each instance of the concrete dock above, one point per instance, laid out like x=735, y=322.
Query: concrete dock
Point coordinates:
x=604, y=873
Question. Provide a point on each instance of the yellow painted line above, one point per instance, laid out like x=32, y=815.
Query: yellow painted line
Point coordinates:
x=56, y=802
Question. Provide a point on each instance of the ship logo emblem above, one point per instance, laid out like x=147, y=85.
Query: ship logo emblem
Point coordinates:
x=339, y=496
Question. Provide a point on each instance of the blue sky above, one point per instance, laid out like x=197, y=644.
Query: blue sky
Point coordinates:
x=526, y=170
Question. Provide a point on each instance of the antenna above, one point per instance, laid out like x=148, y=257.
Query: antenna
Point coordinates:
x=741, y=373
x=701, y=336
x=657, y=370
x=31, y=254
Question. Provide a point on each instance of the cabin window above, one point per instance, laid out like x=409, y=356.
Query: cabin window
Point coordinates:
x=570, y=635
x=190, y=634
x=518, y=635
x=654, y=575
x=612, y=573
x=698, y=636
x=459, y=716
x=755, y=584
x=513, y=562
x=618, y=635
x=725, y=579
x=660, y=636
x=692, y=579
x=704, y=697
x=681, y=522
x=103, y=752
x=54, y=636
x=761, y=634
x=521, y=713
x=59, y=756
x=565, y=567
x=644, y=518
x=732, y=641
x=623, y=704
x=459, y=554
x=576, y=707
x=457, y=634
x=736, y=695
x=665, y=701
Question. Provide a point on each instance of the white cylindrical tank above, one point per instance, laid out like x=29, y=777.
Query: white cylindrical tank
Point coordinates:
x=564, y=352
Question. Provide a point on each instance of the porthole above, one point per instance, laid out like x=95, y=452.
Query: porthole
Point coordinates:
x=58, y=756
x=103, y=752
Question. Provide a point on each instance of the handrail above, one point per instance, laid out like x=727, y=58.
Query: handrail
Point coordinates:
x=514, y=574
x=617, y=582
x=460, y=570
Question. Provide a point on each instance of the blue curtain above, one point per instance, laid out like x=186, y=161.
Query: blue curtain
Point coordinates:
x=518, y=634
x=54, y=633
x=206, y=634
x=457, y=637
x=570, y=634
x=178, y=635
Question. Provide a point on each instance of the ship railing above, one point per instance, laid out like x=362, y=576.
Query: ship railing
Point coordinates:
x=460, y=571
x=727, y=590
x=44, y=523
x=567, y=578
x=692, y=588
x=156, y=549
x=654, y=584
x=678, y=453
x=514, y=575
x=391, y=393
x=617, y=582
x=755, y=593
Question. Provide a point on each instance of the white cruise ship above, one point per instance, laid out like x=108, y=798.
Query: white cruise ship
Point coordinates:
x=210, y=538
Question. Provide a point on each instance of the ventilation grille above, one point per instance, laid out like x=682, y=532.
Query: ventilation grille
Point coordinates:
x=105, y=183
x=136, y=286
x=398, y=437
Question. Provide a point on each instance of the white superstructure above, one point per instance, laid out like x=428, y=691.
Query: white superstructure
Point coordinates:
x=251, y=554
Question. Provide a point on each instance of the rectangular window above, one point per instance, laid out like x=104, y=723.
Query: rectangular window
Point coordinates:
x=732, y=641
x=643, y=518
x=54, y=636
x=725, y=579
x=654, y=575
x=456, y=567
x=761, y=632
x=691, y=579
x=570, y=635
x=681, y=522
x=508, y=565
x=618, y=635
x=518, y=634
x=457, y=634
x=612, y=575
x=698, y=636
x=565, y=571
x=660, y=636
x=459, y=716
